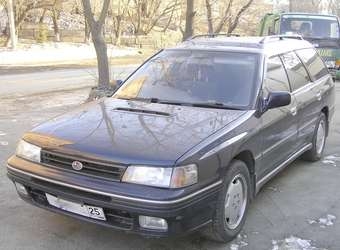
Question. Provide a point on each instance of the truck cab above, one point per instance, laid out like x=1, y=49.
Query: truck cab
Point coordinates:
x=320, y=30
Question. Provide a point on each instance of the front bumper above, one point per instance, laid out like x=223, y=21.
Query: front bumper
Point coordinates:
x=183, y=214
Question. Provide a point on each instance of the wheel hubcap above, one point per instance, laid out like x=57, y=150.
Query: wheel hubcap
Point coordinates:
x=235, y=202
x=320, y=137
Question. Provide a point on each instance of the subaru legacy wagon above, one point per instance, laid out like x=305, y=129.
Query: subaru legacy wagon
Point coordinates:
x=187, y=140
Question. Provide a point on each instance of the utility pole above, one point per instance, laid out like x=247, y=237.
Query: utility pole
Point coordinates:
x=11, y=24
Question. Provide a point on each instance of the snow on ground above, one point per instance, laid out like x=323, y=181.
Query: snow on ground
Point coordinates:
x=52, y=53
x=239, y=242
x=293, y=243
x=273, y=189
x=324, y=221
x=331, y=160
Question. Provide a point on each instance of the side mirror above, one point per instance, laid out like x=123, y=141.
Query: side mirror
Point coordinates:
x=277, y=99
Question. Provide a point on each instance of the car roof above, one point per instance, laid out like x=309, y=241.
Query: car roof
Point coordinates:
x=268, y=46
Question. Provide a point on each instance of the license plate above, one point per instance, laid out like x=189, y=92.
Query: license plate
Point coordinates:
x=77, y=208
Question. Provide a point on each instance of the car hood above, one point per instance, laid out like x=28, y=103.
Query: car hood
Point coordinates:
x=131, y=132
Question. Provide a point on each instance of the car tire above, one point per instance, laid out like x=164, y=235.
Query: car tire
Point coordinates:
x=319, y=140
x=232, y=204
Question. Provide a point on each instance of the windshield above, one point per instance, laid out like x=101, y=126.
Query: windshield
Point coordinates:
x=181, y=76
x=325, y=27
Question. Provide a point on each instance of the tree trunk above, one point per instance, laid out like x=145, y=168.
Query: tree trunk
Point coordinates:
x=55, y=25
x=209, y=17
x=117, y=29
x=189, y=20
x=102, y=59
x=13, y=35
x=41, y=20
x=96, y=28
x=87, y=33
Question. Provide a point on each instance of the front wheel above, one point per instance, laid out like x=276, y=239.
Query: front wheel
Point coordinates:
x=319, y=140
x=232, y=204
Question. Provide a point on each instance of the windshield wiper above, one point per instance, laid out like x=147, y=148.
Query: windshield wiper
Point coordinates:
x=212, y=104
x=142, y=99
x=218, y=105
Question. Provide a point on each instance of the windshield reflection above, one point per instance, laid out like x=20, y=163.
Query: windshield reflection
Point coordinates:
x=195, y=77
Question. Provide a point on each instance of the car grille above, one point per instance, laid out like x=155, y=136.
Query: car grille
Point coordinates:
x=103, y=170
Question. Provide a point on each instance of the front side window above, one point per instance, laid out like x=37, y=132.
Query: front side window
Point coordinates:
x=276, y=77
x=312, y=60
x=297, y=74
x=185, y=76
x=310, y=26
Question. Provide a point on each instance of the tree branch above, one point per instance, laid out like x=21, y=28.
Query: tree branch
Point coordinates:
x=225, y=18
x=234, y=24
x=103, y=13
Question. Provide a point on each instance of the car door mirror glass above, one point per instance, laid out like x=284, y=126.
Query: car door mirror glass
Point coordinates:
x=277, y=99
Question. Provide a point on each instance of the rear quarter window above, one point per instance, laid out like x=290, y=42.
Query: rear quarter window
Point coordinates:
x=313, y=62
x=297, y=74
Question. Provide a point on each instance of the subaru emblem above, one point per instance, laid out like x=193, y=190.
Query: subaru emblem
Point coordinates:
x=77, y=165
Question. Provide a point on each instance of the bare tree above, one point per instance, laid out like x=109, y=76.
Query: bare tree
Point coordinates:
x=55, y=11
x=189, y=20
x=96, y=28
x=118, y=13
x=23, y=7
x=308, y=6
x=209, y=17
x=144, y=15
x=13, y=36
x=231, y=15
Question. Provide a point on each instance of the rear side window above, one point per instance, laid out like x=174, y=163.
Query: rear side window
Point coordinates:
x=297, y=74
x=312, y=60
x=276, y=77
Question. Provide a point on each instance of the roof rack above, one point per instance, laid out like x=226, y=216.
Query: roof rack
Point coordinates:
x=280, y=37
x=212, y=35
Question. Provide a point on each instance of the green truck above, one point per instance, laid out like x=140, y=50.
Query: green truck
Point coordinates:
x=321, y=30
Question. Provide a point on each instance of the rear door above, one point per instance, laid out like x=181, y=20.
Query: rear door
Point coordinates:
x=304, y=93
x=279, y=125
x=322, y=82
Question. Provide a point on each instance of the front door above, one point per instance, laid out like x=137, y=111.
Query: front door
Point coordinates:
x=279, y=125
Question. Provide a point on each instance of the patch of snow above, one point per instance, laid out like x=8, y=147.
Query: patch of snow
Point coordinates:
x=234, y=247
x=51, y=52
x=274, y=189
x=14, y=120
x=332, y=157
x=293, y=243
x=240, y=242
x=331, y=160
x=324, y=221
x=3, y=143
x=2, y=133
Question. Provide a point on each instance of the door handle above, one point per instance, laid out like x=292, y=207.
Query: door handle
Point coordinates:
x=318, y=96
x=293, y=111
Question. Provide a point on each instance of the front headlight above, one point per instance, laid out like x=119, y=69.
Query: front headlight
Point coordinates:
x=162, y=177
x=28, y=151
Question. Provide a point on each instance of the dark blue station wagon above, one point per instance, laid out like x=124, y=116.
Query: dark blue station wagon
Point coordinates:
x=186, y=142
